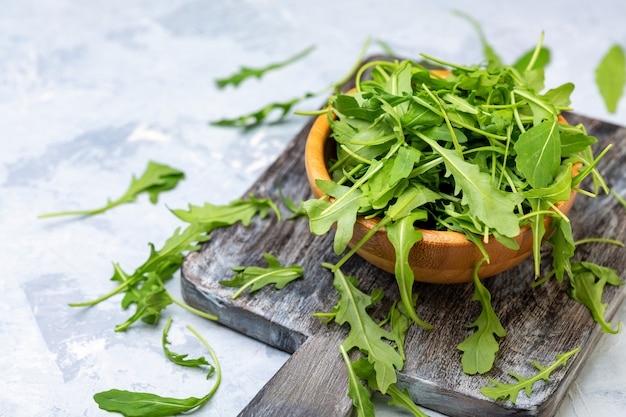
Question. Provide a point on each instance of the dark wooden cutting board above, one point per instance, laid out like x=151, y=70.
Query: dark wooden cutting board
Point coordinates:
x=541, y=322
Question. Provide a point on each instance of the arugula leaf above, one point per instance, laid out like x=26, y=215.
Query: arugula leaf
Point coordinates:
x=363, y=369
x=361, y=397
x=145, y=287
x=255, y=277
x=611, y=77
x=563, y=248
x=479, y=348
x=539, y=153
x=587, y=284
x=403, y=236
x=247, y=72
x=143, y=404
x=226, y=215
x=342, y=211
x=157, y=178
x=257, y=117
x=365, y=334
x=183, y=359
x=510, y=391
x=479, y=193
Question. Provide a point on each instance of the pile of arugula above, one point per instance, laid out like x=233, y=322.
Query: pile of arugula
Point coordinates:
x=481, y=151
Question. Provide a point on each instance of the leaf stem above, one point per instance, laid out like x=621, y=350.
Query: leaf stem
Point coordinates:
x=599, y=240
x=193, y=310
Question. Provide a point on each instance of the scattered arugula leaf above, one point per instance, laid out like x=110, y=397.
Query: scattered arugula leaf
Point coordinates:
x=182, y=359
x=213, y=216
x=257, y=117
x=510, y=391
x=145, y=288
x=256, y=277
x=611, y=77
x=361, y=397
x=143, y=404
x=479, y=348
x=247, y=72
x=156, y=179
x=399, y=398
x=365, y=334
x=586, y=285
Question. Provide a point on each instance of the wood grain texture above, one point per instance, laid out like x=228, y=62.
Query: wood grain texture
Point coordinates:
x=541, y=322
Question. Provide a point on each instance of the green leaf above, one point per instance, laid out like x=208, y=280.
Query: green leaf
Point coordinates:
x=365, y=370
x=342, y=212
x=257, y=117
x=587, y=285
x=182, y=359
x=573, y=140
x=563, y=248
x=492, y=206
x=542, y=60
x=539, y=153
x=144, y=287
x=255, y=277
x=144, y=404
x=560, y=96
x=227, y=215
x=559, y=190
x=247, y=72
x=505, y=391
x=542, y=109
x=479, y=349
x=611, y=77
x=365, y=334
x=361, y=397
x=156, y=179
x=403, y=235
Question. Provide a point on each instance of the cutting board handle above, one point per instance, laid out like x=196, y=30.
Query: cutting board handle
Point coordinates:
x=312, y=383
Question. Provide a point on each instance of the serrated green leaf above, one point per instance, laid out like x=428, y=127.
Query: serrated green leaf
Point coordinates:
x=505, y=391
x=492, y=206
x=257, y=117
x=611, y=77
x=480, y=348
x=587, y=287
x=182, y=359
x=156, y=179
x=365, y=334
x=246, y=72
x=361, y=397
x=563, y=248
x=143, y=404
x=342, y=211
x=214, y=216
x=254, y=277
x=365, y=370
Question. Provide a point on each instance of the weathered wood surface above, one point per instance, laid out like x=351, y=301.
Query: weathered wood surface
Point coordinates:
x=541, y=322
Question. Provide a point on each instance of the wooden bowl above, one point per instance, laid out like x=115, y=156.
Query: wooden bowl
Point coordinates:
x=441, y=257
